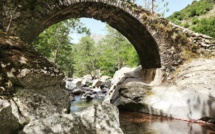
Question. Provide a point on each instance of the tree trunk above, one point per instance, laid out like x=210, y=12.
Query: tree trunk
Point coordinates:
x=152, y=6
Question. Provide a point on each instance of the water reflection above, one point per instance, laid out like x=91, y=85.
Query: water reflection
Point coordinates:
x=138, y=123
x=79, y=105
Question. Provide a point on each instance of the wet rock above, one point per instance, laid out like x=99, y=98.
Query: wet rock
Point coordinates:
x=76, y=91
x=86, y=88
x=212, y=121
x=104, y=90
x=89, y=95
x=96, y=90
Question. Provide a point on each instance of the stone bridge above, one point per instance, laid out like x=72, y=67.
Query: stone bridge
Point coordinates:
x=30, y=84
x=159, y=43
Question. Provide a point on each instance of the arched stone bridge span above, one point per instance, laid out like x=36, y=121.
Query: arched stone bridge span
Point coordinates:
x=157, y=42
x=31, y=18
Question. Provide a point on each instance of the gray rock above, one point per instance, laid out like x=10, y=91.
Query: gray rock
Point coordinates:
x=73, y=83
x=39, y=103
x=9, y=116
x=96, y=83
x=38, y=78
x=190, y=97
x=106, y=84
x=99, y=119
x=76, y=91
x=104, y=78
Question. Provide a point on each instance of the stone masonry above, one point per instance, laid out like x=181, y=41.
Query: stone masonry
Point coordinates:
x=158, y=42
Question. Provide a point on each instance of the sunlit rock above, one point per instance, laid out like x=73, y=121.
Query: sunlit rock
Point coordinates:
x=191, y=96
x=11, y=119
x=99, y=119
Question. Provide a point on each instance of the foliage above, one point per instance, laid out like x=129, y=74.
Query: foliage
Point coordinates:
x=205, y=26
x=110, y=54
x=176, y=21
x=115, y=52
x=195, y=20
x=195, y=9
x=84, y=57
x=54, y=42
x=186, y=25
x=192, y=15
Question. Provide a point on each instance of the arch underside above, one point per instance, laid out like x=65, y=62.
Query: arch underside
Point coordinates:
x=116, y=17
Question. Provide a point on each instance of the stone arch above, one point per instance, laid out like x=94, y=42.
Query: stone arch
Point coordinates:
x=119, y=15
x=159, y=43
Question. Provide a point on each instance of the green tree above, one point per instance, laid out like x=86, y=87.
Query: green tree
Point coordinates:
x=114, y=52
x=55, y=43
x=110, y=54
x=84, y=58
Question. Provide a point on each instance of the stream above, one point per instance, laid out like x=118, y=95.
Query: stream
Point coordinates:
x=139, y=123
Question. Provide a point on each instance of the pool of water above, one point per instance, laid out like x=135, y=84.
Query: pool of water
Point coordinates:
x=78, y=104
x=139, y=123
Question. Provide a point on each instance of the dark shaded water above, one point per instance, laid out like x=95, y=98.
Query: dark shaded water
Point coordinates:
x=139, y=123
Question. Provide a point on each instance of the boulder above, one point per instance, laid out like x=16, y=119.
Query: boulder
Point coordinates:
x=29, y=85
x=87, y=93
x=86, y=88
x=10, y=118
x=191, y=96
x=96, y=90
x=23, y=66
x=106, y=84
x=40, y=103
x=102, y=118
x=73, y=83
x=96, y=83
x=87, y=77
x=76, y=91
x=87, y=80
x=104, y=78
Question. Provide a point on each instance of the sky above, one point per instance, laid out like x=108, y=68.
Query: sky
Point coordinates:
x=98, y=27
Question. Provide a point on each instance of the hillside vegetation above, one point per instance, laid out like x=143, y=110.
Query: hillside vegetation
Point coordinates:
x=199, y=17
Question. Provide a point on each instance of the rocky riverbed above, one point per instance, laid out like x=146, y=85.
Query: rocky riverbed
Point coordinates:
x=34, y=98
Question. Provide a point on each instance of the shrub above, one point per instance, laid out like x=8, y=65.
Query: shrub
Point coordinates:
x=186, y=25
x=177, y=22
x=195, y=20
x=205, y=26
x=195, y=9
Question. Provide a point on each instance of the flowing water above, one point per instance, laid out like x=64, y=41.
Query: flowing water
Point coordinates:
x=139, y=123
x=78, y=104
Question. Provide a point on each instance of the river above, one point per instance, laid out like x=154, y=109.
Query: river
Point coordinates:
x=139, y=123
